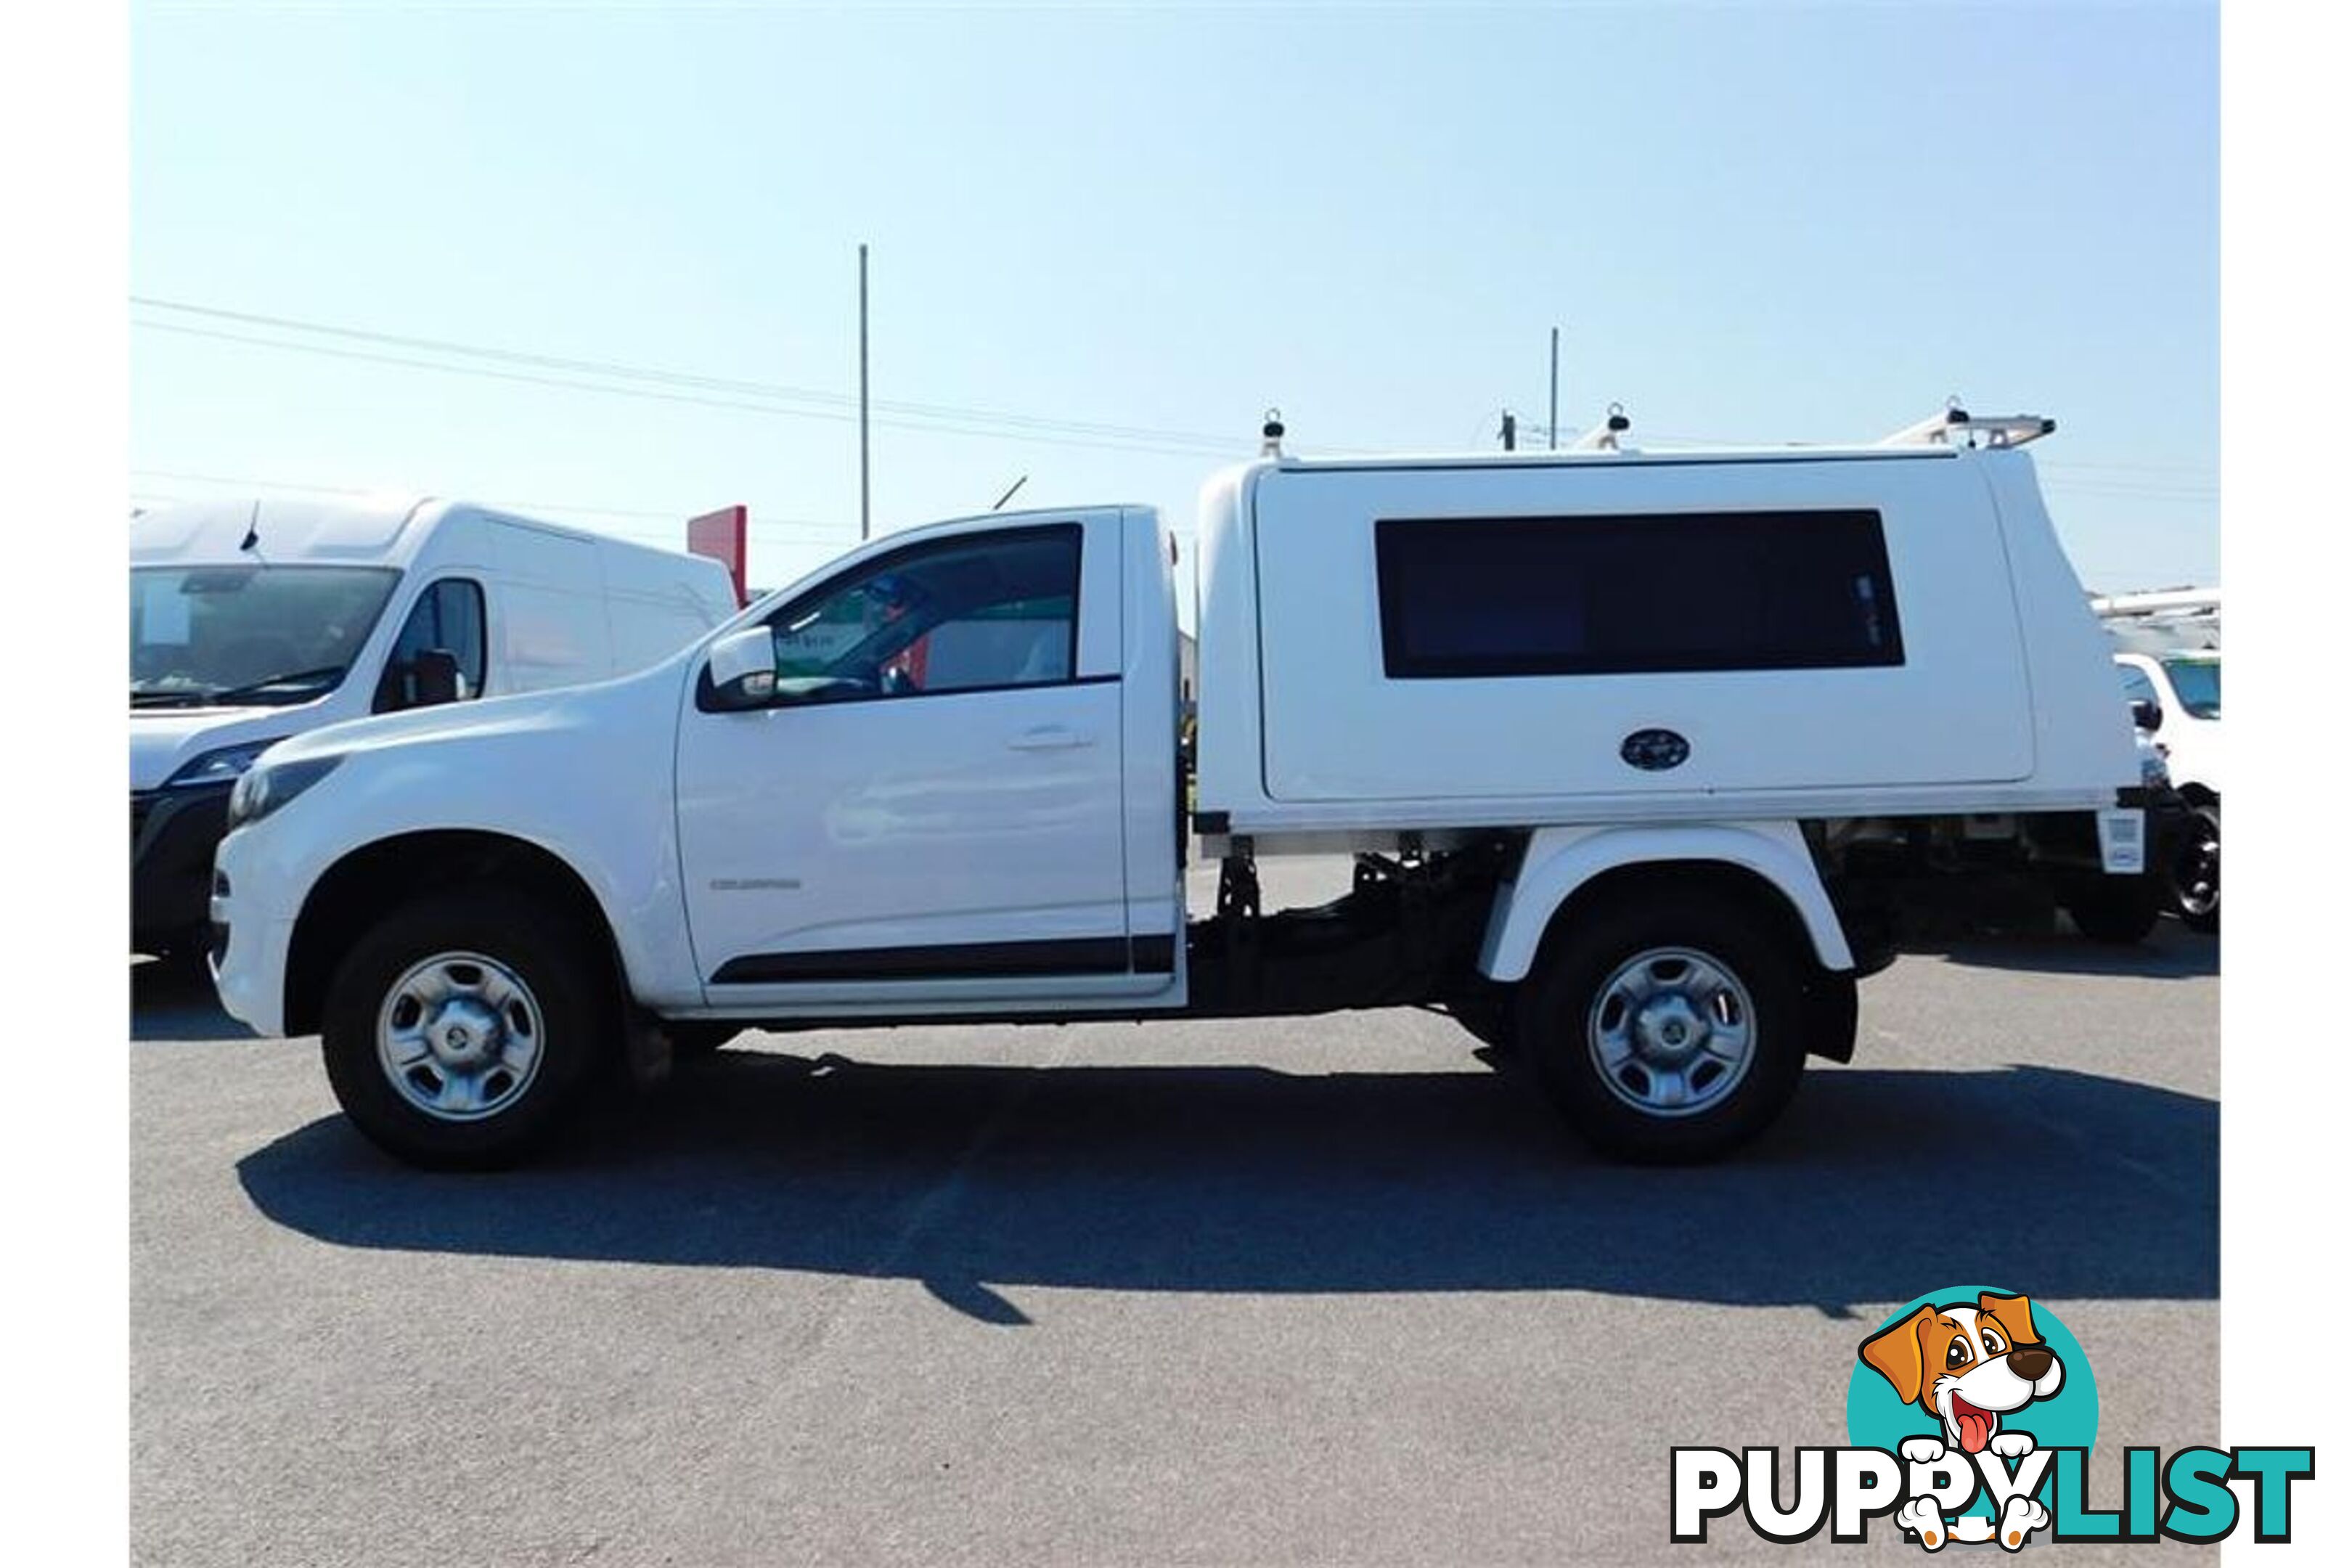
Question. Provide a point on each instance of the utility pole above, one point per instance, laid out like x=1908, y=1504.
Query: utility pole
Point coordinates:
x=1551, y=430
x=864, y=469
x=1510, y=431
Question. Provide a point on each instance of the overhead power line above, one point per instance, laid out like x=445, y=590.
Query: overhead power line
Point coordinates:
x=673, y=384
x=618, y=378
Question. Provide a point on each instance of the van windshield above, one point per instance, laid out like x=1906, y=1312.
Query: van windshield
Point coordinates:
x=202, y=635
x=2198, y=683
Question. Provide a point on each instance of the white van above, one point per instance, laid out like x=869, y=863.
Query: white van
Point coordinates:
x=1645, y=759
x=252, y=621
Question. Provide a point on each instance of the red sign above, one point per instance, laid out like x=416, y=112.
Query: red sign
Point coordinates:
x=720, y=535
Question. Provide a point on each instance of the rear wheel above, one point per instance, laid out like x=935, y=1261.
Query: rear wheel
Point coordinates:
x=461, y=1031
x=1669, y=1027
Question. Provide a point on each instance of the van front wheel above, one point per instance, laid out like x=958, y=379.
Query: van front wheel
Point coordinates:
x=1668, y=1028
x=461, y=1031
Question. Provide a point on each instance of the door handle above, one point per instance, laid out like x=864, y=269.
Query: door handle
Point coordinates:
x=1049, y=737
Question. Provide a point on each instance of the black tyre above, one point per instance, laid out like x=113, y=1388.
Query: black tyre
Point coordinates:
x=1670, y=1026
x=2197, y=872
x=2117, y=909
x=460, y=1033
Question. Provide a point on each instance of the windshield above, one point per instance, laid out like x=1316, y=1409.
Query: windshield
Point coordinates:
x=202, y=635
x=2198, y=683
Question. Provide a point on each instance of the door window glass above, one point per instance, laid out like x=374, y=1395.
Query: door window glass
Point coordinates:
x=980, y=613
x=447, y=615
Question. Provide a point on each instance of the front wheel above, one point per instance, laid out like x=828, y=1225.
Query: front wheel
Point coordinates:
x=2197, y=872
x=462, y=1030
x=1670, y=1028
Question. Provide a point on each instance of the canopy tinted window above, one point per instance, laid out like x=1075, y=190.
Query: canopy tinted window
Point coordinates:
x=1623, y=594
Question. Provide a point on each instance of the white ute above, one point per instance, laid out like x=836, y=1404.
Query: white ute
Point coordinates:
x=1644, y=758
x=252, y=621
x=2168, y=654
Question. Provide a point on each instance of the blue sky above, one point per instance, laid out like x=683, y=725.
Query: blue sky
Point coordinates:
x=1753, y=223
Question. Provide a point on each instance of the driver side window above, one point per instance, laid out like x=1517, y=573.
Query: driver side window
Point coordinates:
x=448, y=616
x=980, y=613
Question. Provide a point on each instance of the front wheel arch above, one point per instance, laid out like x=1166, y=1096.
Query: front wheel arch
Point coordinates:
x=357, y=891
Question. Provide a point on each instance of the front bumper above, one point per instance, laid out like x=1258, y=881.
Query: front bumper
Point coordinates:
x=174, y=833
x=246, y=953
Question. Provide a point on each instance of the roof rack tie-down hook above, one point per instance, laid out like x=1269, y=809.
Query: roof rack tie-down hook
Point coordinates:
x=1272, y=431
x=1954, y=425
x=1604, y=437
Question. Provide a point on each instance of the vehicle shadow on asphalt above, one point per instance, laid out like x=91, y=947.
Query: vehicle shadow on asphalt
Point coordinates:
x=1243, y=1179
x=2171, y=951
x=173, y=1000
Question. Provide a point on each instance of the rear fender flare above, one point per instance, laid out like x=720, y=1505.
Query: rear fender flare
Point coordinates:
x=1560, y=860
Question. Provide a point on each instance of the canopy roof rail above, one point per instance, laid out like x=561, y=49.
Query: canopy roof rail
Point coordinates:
x=1954, y=425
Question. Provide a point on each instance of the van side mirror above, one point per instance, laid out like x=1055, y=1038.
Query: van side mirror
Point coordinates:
x=433, y=677
x=741, y=671
x=2147, y=715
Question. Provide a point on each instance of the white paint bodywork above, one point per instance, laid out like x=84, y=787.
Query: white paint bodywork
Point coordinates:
x=993, y=817
x=585, y=773
x=930, y=822
x=1560, y=860
x=561, y=605
x=1994, y=709
x=2191, y=744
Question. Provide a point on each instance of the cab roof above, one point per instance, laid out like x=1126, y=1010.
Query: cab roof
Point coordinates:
x=357, y=529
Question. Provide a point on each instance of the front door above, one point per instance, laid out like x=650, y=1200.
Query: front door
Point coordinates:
x=930, y=811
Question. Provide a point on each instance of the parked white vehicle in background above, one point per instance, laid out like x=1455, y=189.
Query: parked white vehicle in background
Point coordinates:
x=2169, y=659
x=254, y=621
x=1644, y=758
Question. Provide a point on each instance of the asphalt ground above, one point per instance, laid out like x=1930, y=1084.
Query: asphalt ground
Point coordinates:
x=1320, y=1291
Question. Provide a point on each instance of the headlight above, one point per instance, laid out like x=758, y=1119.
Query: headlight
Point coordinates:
x=263, y=790
x=2154, y=771
x=221, y=766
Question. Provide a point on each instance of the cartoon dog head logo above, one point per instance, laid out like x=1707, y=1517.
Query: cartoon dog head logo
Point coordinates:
x=1967, y=1364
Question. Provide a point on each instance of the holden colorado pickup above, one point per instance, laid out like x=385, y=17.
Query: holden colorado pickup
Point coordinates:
x=1644, y=758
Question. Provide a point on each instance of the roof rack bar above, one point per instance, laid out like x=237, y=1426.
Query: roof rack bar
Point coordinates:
x=2160, y=604
x=1954, y=425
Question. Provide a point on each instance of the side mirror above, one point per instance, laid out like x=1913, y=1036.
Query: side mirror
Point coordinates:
x=433, y=677
x=2147, y=715
x=742, y=670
